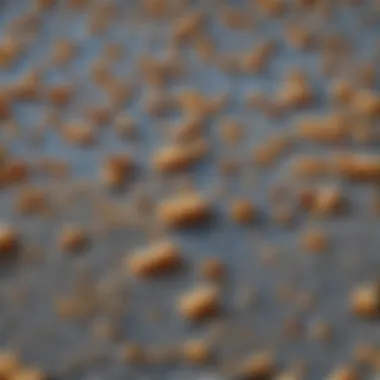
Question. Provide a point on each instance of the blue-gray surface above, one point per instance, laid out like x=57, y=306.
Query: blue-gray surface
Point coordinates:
x=30, y=325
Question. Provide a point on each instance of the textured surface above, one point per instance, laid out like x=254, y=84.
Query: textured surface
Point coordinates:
x=30, y=325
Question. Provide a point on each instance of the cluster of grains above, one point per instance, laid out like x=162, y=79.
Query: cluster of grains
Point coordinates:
x=234, y=224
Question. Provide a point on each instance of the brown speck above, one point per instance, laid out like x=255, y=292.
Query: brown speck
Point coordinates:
x=79, y=133
x=196, y=351
x=243, y=211
x=257, y=366
x=9, y=364
x=199, y=303
x=9, y=240
x=365, y=301
x=73, y=239
x=183, y=210
x=116, y=169
x=212, y=269
x=344, y=373
x=158, y=259
x=314, y=240
x=29, y=374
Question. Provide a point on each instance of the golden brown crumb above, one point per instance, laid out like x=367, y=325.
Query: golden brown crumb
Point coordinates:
x=357, y=167
x=327, y=201
x=212, y=269
x=32, y=200
x=199, y=303
x=60, y=95
x=28, y=374
x=27, y=87
x=235, y=19
x=314, y=240
x=243, y=211
x=344, y=373
x=257, y=60
x=296, y=91
x=45, y=4
x=288, y=375
x=177, y=158
x=116, y=170
x=307, y=166
x=267, y=153
x=366, y=103
x=257, y=366
x=9, y=364
x=158, y=259
x=14, y=172
x=231, y=132
x=329, y=129
x=133, y=353
x=188, y=26
x=63, y=52
x=365, y=301
x=342, y=91
x=196, y=351
x=183, y=210
x=299, y=37
x=79, y=133
x=9, y=240
x=99, y=115
x=365, y=353
x=10, y=50
x=73, y=239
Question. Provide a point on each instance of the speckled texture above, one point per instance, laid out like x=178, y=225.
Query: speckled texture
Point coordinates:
x=31, y=325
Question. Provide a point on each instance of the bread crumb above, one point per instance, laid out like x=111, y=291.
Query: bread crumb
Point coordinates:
x=199, y=303
x=116, y=169
x=365, y=301
x=183, y=210
x=73, y=239
x=157, y=259
x=9, y=240
x=243, y=211
x=343, y=373
x=196, y=351
x=9, y=364
x=257, y=366
x=212, y=269
x=314, y=240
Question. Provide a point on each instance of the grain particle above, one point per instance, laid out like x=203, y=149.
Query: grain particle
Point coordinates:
x=28, y=374
x=60, y=95
x=327, y=200
x=184, y=210
x=366, y=103
x=116, y=169
x=14, y=172
x=343, y=373
x=212, y=269
x=199, y=303
x=73, y=239
x=342, y=91
x=32, y=200
x=10, y=50
x=258, y=59
x=79, y=133
x=320, y=331
x=257, y=366
x=314, y=240
x=188, y=26
x=158, y=259
x=63, y=52
x=308, y=166
x=9, y=364
x=180, y=157
x=9, y=240
x=357, y=167
x=365, y=300
x=299, y=37
x=243, y=211
x=196, y=351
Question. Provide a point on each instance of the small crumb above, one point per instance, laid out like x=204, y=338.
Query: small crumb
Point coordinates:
x=320, y=331
x=79, y=133
x=196, y=351
x=243, y=211
x=365, y=301
x=343, y=373
x=183, y=210
x=314, y=240
x=9, y=240
x=9, y=364
x=73, y=239
x=158, y=259
x=257, y=366
x=199, y=303
x=212, y=269
x=28, y=374
x=60, y=95
x=327, y=201
x=116, y=169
